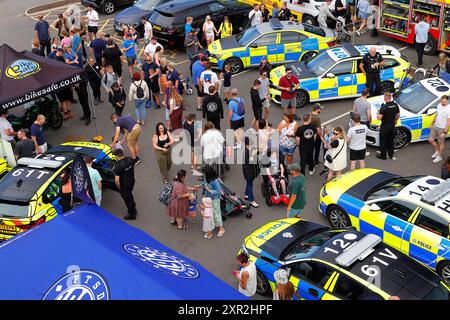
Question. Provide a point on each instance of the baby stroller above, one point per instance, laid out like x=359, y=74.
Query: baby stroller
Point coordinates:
x=186, y=87
x=231, y=204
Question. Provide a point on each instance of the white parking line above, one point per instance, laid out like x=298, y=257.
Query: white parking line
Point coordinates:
x=241, y=73
x=403, y=48
x=336, y=118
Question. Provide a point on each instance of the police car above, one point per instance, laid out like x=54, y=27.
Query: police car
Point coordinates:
x=29, y=194
x=411, y=214
x=335, y=74
x=326, y=264
x=279, y=41
x=418, y=104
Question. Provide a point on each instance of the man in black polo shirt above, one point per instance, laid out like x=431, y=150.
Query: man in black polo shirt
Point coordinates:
x=389, y=114
x=371, y=65
x=124, y=179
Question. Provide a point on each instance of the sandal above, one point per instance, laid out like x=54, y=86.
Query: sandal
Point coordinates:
x=183, y=227
x=173, y=222
x=166, y=181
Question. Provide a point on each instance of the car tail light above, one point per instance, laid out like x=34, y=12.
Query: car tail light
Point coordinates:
x=331, y=43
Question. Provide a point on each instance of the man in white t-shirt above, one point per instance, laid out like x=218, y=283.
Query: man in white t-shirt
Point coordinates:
x=148, y=30
x=6, y=130
x=212, y=143
x=439, y=130
x=255, y=15
x=92, y=22
x=208, y=78
x=150, y=49
x=356, y=138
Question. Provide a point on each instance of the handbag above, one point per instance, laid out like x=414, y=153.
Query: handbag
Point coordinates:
x=330, y=159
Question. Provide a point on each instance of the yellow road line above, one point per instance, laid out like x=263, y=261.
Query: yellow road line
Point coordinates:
x=104, y=25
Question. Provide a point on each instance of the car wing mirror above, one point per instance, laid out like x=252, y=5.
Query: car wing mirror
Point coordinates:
x=331, y=76
x=396, y=85
x=374, y=207
x=45, y=199
x=431, y=111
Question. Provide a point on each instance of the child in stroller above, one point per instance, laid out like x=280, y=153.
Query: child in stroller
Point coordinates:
x=274, y=178
x=231, y=203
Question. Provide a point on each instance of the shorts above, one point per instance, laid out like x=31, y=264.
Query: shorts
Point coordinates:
x=226, y=89
x=257, y=113
x=357, y=154
x=266, y=104
x=294, y=212
x=435, y=133
x=64, y=94
x=133, y=136
x=118, y=70
x=43, y=147
x=154, y=86
x=200, y=93
x=131, y=61
x=363, y=15
x=288, y=103
x=94, y=30
x=235, y=125
x=289, y=151
x=352, y=10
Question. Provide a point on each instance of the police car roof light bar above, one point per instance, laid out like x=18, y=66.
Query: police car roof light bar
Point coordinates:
x=276, y=24
x=39, y=163
x=433, y=195
x=358, y=251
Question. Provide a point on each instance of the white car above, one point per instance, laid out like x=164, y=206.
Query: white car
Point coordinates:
x=417, y=104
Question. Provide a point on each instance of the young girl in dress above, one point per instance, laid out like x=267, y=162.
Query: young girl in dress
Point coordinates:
x=208, y=218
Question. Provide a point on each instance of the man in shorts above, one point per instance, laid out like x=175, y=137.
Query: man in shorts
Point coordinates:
x=130, y=52
x=92, y=22
x=235, y=118
x=297, y=192
x=356, y=138
x=439, y=130
x=197, y=69
x=264, y=92
x=287, y=85
x=132, y=132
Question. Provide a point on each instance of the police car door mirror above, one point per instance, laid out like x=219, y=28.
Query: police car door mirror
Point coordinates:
x=374, y=207
x=45, y=199
x=431, y=111
x=397, y=86
x=330, y=76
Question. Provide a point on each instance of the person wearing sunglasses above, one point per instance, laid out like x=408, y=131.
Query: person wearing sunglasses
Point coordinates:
x=336, y=157
x=288, y=85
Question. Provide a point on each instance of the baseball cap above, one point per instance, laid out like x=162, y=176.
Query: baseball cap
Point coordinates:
x=317, y=106
x=59, y=49
x=294, y=167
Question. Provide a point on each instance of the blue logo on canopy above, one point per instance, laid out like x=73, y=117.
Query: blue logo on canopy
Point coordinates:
x=79, y=285
x=162, y=261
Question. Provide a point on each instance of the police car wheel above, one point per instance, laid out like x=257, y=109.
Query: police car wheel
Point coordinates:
x=262, y=284
x=236, y=64
x=401, y=138
x=337, y=217
x=308, y=19
x=108, y=7
x=443, y=269
x=308, y=55
x=387, y=86
x=302, y=98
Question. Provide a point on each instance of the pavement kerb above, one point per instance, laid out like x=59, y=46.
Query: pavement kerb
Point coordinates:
x=49, y=6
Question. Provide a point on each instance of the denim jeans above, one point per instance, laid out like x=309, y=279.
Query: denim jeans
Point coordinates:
x=249, y=190
x=140, y=109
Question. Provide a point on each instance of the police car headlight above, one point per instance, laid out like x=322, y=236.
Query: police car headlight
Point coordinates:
x=324, y=191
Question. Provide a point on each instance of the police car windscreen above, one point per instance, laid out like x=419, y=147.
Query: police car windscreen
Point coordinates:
x=74, y=150
x=391, y=188
x=247, y=36
x=414, y=98
x=21, y=184
x=307, y=247
x=319, y=64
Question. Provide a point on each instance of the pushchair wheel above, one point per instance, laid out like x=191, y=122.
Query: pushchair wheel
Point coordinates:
x=268, y=201
x=263, y=189
x=190, y=91
x=249, y=215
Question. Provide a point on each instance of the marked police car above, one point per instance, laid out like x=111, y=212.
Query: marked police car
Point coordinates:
x=411, y=214
x=326, y=264
x=279, y=41
x=418, y=104
x=29, y=194
x=335, y=74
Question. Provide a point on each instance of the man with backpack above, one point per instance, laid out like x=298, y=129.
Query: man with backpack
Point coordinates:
x=288, y=84
x=236, y=113
x=124, y=179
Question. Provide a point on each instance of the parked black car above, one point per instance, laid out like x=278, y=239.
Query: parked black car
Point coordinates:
x=169, y=19
x=132, y=16
x=107, y=6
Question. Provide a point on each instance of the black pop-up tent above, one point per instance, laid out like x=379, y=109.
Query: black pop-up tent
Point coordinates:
x=25, y=76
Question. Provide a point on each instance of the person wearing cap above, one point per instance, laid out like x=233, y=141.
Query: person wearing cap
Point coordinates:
x=192, y=44
x=288, y=84
x=315, y=120
x=284, y=289
x=265, y=65
x=61, y=24
x=297, y=191
x=250, y=170
x=42, y=29
x=439, y=129
x=57, y=55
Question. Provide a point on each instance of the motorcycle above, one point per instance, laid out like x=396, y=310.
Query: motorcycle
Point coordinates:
x=47, y=107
